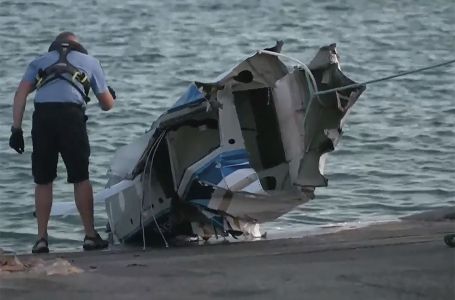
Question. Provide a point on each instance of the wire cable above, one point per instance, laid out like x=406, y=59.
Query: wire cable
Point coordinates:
x=356, y=85
x=150, y=174
x=152, y=151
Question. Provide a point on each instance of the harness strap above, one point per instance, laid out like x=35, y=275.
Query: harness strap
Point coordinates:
x=62, y=67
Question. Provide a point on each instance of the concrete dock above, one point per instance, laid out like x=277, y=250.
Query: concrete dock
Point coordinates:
x=398, y=260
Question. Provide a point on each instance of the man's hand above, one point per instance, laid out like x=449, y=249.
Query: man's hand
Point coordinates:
x=16, y=140
x=111, y=90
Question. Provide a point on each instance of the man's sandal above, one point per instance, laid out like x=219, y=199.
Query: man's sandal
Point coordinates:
x=94, y=243
x=41, y=246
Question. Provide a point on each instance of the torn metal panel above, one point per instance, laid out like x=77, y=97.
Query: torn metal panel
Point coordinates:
x=323, y=117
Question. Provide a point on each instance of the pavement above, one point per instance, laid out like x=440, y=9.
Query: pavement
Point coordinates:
x=397, y=260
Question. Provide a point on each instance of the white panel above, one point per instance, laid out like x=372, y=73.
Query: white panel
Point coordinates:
x=289, y=107
x=235, y=177
x=188, y=145
x=126, y=157
x=254, y=187
x=229, y=121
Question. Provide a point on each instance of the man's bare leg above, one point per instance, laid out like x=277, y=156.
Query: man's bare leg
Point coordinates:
x=43, y=204
x=83, y=194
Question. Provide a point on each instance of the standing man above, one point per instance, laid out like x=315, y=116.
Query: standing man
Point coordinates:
x=62, y=79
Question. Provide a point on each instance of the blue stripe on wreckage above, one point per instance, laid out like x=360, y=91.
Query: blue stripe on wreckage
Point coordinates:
x=223, y=165
x=212, y=173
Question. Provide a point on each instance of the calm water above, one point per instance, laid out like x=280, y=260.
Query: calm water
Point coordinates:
x=397, y=156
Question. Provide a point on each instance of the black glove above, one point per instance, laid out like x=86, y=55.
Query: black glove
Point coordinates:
x=16, y=140
x=111, y=90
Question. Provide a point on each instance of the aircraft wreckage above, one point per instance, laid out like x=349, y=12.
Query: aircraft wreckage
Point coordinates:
x=230, y=154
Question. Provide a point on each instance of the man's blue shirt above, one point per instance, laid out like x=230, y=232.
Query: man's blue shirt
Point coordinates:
x=60, y=90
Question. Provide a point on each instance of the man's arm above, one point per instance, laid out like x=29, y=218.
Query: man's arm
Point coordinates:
x=105, y=100
x=20, y=98
x=100, y=87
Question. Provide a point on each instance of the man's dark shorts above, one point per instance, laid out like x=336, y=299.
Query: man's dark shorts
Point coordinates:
x=59, y=128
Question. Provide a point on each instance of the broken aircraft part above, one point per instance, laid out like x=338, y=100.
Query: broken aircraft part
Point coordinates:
x=233, y=153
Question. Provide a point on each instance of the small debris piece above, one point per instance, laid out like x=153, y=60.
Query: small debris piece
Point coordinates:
x=12, y=264
x=136, y=265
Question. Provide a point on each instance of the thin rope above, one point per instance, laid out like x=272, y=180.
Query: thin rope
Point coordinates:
x=153, y=149
x=355, y=85
x=304, y=66
x=143, y=192
x=150, y=174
